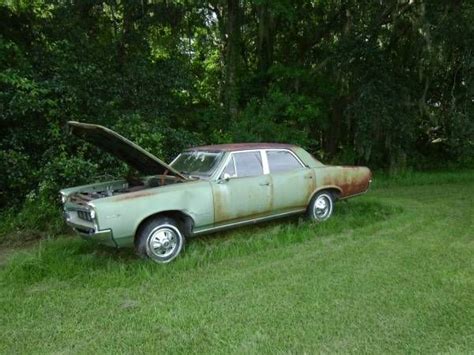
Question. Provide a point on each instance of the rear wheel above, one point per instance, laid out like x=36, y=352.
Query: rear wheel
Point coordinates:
x=321, y=206
x=160, y=239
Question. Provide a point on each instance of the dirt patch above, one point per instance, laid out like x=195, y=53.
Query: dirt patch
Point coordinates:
x=20, y=238
x=129, y=304
x=9, y=248
x=5, y=254
x=23, y=240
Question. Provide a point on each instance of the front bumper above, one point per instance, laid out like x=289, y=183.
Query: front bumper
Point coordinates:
x=91, y=232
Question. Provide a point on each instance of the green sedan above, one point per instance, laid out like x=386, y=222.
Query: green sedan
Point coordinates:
x=203, y=190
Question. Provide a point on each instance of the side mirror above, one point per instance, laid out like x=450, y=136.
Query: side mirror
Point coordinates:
x=225, y=177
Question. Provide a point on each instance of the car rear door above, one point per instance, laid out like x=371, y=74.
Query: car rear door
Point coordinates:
x=243, y=190
x=292, y=182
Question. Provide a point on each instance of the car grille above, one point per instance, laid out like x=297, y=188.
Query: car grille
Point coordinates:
x=85, y=215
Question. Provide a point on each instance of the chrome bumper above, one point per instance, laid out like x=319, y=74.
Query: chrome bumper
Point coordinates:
x=92, y=233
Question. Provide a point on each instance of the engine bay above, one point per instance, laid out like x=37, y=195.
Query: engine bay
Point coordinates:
x=102, y=190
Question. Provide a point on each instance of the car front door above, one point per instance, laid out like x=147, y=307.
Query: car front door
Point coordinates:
x=292, y=182
x=242, y=191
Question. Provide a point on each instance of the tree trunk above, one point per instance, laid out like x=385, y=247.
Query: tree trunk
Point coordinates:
x=264, y=38
x=232, y=58
x=334, y=131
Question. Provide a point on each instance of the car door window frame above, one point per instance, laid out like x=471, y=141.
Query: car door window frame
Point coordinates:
x=226, y=165
x=263, y=157
x=286, y=151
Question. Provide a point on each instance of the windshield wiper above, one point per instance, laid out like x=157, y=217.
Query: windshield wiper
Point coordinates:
x=189, y=174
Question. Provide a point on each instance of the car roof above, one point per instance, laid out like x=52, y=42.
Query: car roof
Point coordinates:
x=241, y=146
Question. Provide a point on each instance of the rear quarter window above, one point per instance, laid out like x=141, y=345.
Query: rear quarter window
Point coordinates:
x=280, y=161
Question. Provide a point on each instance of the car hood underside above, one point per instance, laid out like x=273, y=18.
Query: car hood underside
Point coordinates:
x=121, y=148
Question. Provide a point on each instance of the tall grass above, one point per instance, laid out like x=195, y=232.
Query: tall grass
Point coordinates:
x=391, y=271
x=411, y=178
x=47, y=260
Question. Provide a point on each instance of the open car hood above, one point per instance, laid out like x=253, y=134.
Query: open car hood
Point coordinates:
x=121, y=148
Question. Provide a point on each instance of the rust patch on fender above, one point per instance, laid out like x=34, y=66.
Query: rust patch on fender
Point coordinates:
x=351, y=180
x=133, y=195
x=354, y=180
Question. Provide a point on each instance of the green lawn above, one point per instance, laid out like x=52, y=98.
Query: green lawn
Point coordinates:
x=392, y=271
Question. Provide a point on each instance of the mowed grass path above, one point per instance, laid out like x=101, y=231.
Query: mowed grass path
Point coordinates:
x=392, y=271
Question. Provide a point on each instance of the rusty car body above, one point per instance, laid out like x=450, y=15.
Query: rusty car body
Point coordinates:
x=205, y=189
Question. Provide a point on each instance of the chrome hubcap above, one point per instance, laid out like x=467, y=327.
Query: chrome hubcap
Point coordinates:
x=163, y=242
x=322, y=207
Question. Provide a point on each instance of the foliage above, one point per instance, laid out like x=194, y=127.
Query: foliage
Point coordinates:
x=386, y=84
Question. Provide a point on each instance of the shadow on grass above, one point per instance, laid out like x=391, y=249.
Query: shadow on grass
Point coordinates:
x=75, y=259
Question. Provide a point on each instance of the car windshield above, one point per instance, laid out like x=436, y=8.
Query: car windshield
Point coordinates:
x=197, y=162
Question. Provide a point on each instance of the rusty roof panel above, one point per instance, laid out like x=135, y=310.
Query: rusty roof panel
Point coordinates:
x=242, y=146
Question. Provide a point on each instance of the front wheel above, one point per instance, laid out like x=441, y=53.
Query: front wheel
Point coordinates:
x=321, y=206
x=160, y=239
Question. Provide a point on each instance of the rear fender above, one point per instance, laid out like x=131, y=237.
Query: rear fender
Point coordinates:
x=332, y=188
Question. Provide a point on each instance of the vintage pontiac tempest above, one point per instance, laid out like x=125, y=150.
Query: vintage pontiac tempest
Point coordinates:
x=204, y=189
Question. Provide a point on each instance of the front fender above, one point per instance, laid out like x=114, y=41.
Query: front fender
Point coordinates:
x=124, y=213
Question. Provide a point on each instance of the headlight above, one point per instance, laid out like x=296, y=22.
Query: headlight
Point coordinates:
x=63, y=198
x=92, y=213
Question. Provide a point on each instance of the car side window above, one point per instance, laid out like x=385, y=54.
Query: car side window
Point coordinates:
x=248, y=164
x=281, y=160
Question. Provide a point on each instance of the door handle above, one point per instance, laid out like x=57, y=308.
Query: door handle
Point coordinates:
x=264, y=184
x=308, y=176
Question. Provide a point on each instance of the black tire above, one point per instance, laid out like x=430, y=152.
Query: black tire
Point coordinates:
x=321, y=206
x=160, y=239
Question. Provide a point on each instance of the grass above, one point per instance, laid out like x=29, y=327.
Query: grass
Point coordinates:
x=392, y=271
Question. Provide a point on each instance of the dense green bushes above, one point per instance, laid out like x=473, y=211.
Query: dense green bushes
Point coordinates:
x=387, y=85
